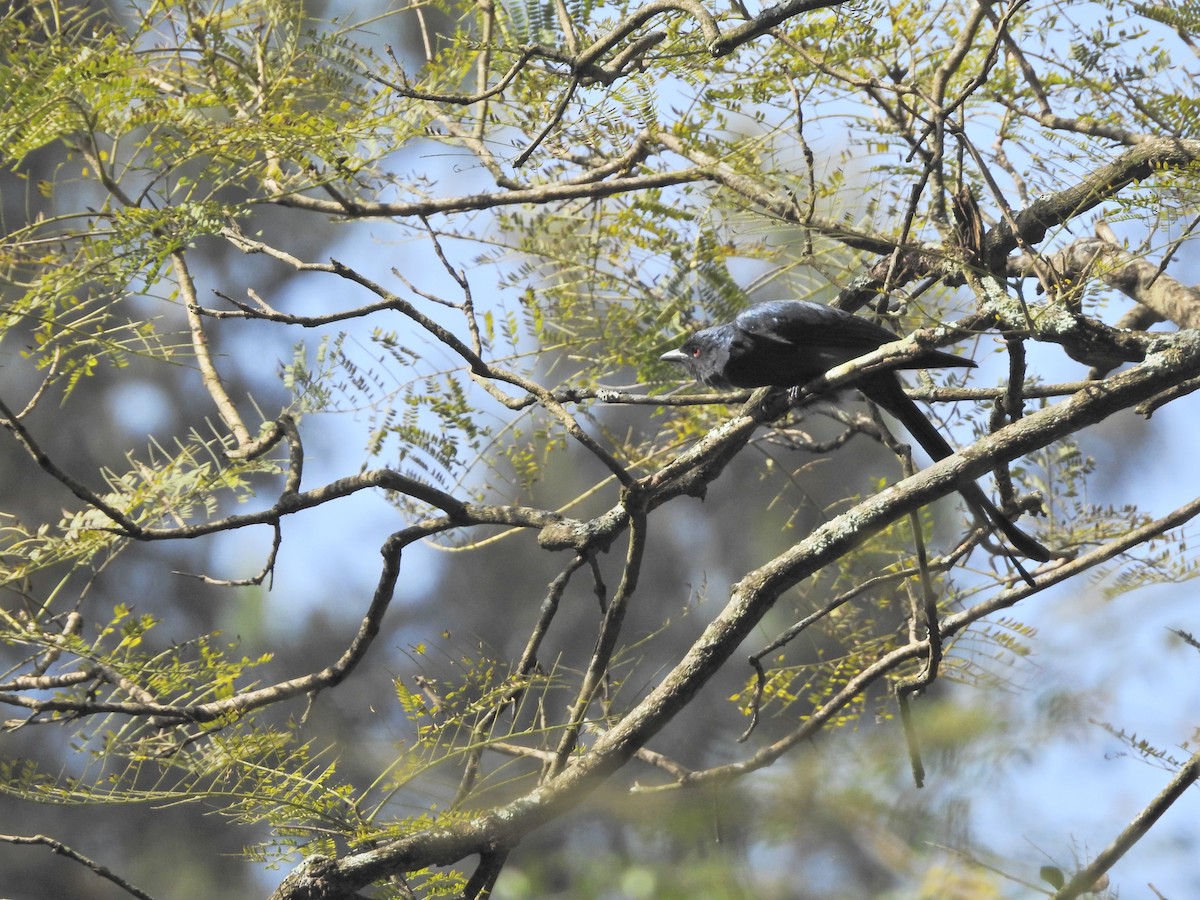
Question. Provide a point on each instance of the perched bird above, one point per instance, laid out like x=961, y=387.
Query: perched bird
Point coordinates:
x=787, y=343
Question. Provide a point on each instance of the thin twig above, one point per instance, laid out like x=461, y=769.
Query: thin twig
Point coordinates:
x=62, y=849
x=606, y=640
x=126, y=525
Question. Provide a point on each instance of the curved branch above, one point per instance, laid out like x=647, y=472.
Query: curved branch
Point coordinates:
x=1137, y=278
x=773, y=15
x=164, y=714
x=639, y=17
x=1103, y=183
x=289, y=503
x=62, y=849
x=524, y=54
x=46, y=464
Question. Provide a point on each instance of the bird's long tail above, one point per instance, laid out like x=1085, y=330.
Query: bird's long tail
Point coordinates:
x=885, y=390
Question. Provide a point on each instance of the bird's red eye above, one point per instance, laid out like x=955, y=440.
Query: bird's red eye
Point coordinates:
x=696, y=352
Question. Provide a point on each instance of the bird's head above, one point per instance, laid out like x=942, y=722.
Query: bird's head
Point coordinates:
x=704, y=355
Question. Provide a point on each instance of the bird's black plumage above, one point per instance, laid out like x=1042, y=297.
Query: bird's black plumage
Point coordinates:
x=787, y=343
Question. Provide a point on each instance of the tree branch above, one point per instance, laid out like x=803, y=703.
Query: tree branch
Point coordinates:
x=62, y=849
x=537, y=194
x=1137, y=278
x=1102, y=183
x=1086, y=877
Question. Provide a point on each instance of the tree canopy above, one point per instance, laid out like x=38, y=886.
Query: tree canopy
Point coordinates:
x=349, y=497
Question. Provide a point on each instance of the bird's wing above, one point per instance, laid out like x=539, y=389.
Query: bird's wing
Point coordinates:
x=826, y=333
x=803, y=324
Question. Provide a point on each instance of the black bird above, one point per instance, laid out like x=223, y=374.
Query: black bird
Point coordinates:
x=788, y=343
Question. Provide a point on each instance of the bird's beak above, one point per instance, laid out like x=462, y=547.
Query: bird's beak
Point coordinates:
x=674, y=356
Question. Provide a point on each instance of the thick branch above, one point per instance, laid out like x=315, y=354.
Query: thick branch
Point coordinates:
x=1133, y=276
x=1103, y=183
x=949, y=627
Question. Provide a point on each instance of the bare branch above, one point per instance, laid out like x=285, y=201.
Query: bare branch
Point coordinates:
x=606, y=640
x=405, y=90
x=1090, y=874
x=80, y=490
x=62, y=849
x=546, y=193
